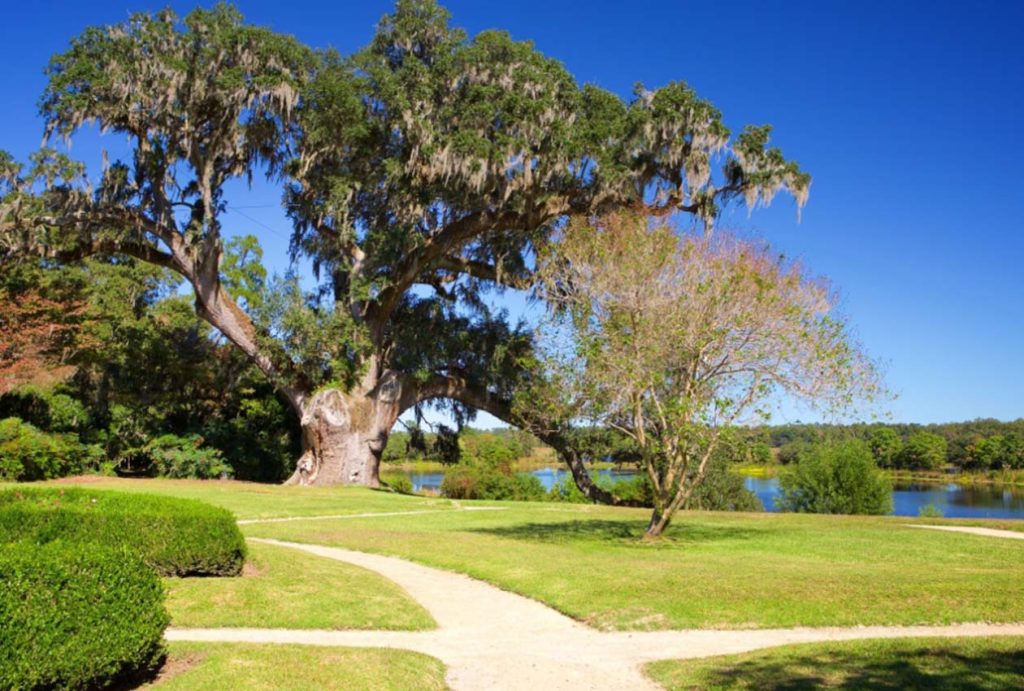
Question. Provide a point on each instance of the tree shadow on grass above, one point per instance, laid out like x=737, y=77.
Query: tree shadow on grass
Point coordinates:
x=626, y=532
x=935, y=667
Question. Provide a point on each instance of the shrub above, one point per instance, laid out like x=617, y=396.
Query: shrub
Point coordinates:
x=397, y=482
x=45, y=410
x=185, y=457
x=176, y=537
x=26, y=453
x=77, y=617
x=565, y=490
x=723, y=490
x=636, y=488
x=836, y=478
x=474, y=482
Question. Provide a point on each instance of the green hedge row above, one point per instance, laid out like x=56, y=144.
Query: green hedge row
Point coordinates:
x=176, y=537
x=77, y=617
x=483, y=482
x=27, y=453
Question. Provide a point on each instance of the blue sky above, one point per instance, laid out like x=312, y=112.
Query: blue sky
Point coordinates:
x=907, y=114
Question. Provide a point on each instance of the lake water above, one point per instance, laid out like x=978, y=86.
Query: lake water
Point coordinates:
x=953, y=500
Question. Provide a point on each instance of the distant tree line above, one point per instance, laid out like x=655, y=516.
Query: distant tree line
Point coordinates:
x=983, y=444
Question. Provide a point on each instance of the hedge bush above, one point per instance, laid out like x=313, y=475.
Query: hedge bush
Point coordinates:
x=77, y=617
x=176, y=537
x=27, y=453
x=186, y=457
x=480, y=482
x=838, y=478
x=397, y=482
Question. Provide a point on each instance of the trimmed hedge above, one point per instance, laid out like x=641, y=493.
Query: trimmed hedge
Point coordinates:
x=176, y=537
x=77, y=617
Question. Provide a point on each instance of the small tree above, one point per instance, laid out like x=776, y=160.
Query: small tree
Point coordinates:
x=836, y=478
x=672, y=338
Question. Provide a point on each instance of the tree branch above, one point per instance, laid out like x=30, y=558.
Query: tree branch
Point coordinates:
x=444, y=243
x=483, y=271
x=456, y=388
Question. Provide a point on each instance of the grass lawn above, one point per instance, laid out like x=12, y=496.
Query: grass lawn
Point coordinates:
x=283, y=588
x=250, y=500
x=715, y=570
x=216, y=666
x=718, y=570
x=958, y=664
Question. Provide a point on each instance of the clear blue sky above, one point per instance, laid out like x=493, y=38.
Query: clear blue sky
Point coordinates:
x=906, y=113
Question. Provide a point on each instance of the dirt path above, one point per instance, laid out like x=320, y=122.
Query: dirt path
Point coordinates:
x=378, y=514
x=493, y=639
x=987, y=532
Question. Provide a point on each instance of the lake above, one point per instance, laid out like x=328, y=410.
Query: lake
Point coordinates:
x=952, y=499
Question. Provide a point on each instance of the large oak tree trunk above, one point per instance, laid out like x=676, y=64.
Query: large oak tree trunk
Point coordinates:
x=344, y=434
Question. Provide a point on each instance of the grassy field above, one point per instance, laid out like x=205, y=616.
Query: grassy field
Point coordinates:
x=964, y=664
x=283, y=588
x=216, y=666
x=714, y=570
x=252, y=500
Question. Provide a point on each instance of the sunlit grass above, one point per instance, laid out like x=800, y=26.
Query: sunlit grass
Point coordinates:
x=218, y=666
x=977, y=664
x=284, y=588
x=713, y=570
x=251, y=500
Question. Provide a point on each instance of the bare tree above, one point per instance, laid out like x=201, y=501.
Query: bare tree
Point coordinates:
x=672, y=338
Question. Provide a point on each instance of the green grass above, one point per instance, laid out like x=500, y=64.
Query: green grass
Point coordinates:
x=713, y=571
x=251, y=500
x=216, y=666
x=958, y=664
x=285, y=588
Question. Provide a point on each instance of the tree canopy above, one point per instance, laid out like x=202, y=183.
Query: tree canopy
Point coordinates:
x=420, y=173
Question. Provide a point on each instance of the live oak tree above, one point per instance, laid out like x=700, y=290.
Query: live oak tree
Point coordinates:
x=674, y=338
x=421, y=173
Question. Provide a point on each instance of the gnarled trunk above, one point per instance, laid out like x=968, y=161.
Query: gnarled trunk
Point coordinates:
x=344, y=434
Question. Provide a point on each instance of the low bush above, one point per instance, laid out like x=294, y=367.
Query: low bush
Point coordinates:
x=77, y=617
x=839, y=478
x=476, y=482
x=397, y=482
x=176, y=537
x=27, y=453
x=185, y=457
x=565, y=490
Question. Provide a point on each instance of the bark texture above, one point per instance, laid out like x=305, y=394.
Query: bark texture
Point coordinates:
x=344, y=435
